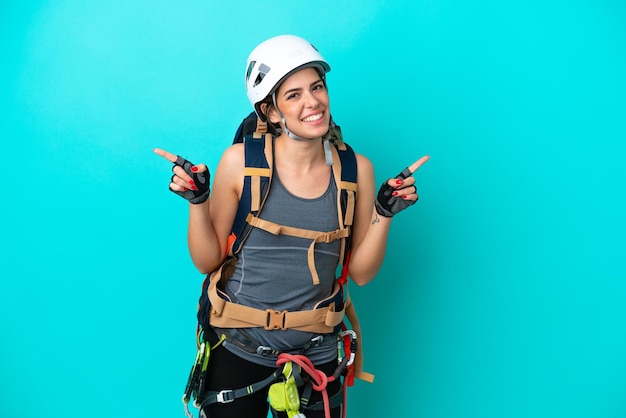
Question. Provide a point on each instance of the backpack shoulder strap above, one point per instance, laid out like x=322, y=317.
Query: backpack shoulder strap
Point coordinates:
x=345, y=173
x=249, y=125
x=258, y=150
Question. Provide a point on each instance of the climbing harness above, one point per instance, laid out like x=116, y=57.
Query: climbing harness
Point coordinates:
x=284, y=383
x=216, y=312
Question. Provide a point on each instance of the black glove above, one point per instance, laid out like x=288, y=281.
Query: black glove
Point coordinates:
x=201, y=181
x=388, y=205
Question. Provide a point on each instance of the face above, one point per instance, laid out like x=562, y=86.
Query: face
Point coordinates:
x=303, y=100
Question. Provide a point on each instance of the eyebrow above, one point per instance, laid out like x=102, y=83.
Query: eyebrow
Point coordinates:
x=300, y=88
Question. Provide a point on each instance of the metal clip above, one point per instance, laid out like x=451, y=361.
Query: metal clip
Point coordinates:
x=186, y=404
x=264, y=351
x=228, y=399
x=353, y=346
x=317, y=340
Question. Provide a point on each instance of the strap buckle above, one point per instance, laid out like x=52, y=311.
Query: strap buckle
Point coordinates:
x=332, y=236
x=275, y=319
x=265, y=351
x=315, y=341
x=225, y=396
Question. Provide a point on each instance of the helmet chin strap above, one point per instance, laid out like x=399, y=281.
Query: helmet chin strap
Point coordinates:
x=325, y=141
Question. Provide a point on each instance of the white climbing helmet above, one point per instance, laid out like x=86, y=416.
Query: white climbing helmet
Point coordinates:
x=275, y=59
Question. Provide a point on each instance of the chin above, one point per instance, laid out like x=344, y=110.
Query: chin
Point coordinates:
x=322, y=129
x=312, y=133
x=317, y=134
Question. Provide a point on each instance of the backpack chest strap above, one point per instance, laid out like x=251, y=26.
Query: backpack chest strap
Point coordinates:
x=314, y=236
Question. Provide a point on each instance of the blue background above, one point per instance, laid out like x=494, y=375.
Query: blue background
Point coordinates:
x=503, y=293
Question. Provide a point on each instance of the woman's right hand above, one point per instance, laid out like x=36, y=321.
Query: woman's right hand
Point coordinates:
x=188, y=181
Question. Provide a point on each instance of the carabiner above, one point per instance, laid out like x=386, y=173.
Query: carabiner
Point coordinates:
x=186, y=405
x=353, y=344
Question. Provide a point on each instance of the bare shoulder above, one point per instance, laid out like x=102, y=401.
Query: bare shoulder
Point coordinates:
x=364, y=200
x=365, y=167
x=232, y=160
x=365, y=182
x=231, y=167
x=233, y=154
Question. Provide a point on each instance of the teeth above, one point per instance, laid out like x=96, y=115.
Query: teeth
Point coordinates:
x=313, y=118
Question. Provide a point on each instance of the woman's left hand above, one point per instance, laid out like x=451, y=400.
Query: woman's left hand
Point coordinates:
x=399, y=193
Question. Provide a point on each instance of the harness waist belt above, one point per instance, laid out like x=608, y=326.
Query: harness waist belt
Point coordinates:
x=226, y=314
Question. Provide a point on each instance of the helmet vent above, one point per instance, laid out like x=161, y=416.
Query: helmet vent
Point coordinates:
x=258, y=80
x=263, y=70
x=250, y=67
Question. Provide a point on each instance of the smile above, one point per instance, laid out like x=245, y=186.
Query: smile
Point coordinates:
x=313, y=118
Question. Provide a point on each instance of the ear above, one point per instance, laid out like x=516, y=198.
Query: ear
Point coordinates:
x=270, y=112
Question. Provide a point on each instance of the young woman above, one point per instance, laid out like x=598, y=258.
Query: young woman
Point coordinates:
x=286, y=84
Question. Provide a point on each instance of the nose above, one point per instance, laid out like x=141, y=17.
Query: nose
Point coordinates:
x=310, y=101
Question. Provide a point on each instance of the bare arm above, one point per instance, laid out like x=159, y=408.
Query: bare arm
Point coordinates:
x=210, y=222
x=371, y=230
x=369, y=240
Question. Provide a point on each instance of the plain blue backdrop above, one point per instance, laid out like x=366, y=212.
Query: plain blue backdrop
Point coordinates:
x=504, y=290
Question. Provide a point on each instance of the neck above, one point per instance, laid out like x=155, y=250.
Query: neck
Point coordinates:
x=299, y=153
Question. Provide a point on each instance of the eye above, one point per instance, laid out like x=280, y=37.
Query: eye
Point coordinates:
x=318, y=87
x=292, y=96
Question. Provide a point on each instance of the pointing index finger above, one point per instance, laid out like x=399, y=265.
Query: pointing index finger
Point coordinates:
x=417, y=164
x=166, y=154
x=407, y=172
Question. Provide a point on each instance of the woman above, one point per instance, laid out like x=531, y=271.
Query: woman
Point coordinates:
x=286, y=84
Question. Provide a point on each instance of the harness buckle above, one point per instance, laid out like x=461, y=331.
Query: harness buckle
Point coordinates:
x=264, y=351
x=315, y=341
x=225, y=396
x=275, y=319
